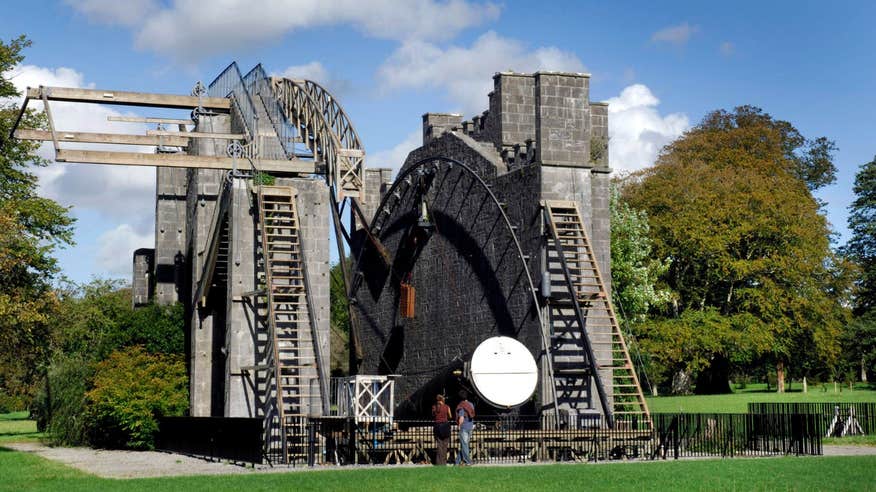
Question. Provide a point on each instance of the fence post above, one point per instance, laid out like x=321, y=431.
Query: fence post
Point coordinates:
x=311, y=441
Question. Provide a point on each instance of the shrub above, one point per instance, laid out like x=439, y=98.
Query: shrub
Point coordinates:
x=60, y=403
x=131, y=390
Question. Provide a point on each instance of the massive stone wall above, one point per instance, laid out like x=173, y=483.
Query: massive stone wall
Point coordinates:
x=469, y=278
x=170, y=235
x=470, y=283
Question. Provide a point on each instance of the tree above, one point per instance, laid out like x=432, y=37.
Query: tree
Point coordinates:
x=339, y=322
x=729, y=203
x=97, y=318
x=859, y=346
x=634, y=270
x=131, y=390
x=861, y=248
x=31, y=228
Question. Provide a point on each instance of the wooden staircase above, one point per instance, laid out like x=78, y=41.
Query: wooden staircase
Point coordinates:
x=587, y=341
x=296, y=379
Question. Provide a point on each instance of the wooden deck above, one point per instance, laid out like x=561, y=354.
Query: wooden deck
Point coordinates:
x=416, y=445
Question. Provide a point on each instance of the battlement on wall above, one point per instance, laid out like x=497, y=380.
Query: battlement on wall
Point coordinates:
x=544, y=117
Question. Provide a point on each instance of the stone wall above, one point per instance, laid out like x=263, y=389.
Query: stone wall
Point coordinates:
x=170, y=234
x=436, y=124
x=377, y=181
x=470, y=281
x=465, y=268
x=205, y=324
x=562, y=129
x=142, y=281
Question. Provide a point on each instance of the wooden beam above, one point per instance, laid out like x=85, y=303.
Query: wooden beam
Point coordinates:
x=129, y=98
x=178, y=140
x=139, y=119
x=351, y=152
x=185, y=160
x=218, y=136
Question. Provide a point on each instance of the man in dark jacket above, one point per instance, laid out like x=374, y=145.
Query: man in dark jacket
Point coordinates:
x=465, y=414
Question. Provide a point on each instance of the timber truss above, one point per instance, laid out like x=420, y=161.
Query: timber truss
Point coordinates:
x=306, y=130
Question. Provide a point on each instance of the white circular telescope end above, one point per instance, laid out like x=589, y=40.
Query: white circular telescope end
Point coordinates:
x=503, y=372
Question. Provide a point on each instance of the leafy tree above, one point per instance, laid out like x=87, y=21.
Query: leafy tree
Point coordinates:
x=339, y=322
x=131, y=390
x=859, y=346
x=31, y=229
x=60, y=404
x=634, y=270
x=862, y=246
x=97, y=318
x=729, y=204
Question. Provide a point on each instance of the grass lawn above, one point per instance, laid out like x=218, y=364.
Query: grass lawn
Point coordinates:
x=22, y=471
x=15, y=427
x=738, y=401
x=851, y=441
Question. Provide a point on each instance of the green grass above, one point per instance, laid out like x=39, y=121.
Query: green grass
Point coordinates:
x=739, y=400
x=22, y=471
x=16, y=427
x=851, y=440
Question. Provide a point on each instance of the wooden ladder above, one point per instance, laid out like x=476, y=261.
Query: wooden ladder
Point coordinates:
x=595, y=327
x=294, y=353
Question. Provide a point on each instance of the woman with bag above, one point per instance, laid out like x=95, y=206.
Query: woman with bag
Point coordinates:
x=441, y=415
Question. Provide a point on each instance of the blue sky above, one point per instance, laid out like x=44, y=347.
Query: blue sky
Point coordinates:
x=661, y=68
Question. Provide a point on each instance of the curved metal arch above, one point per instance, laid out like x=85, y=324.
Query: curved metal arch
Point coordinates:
x=338, y=119
x=450, y=162
x=327, y=131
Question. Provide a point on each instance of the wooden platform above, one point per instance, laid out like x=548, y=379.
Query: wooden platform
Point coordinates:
x=417, y=445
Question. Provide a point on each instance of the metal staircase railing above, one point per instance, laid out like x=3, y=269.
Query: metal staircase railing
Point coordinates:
x=605, y=350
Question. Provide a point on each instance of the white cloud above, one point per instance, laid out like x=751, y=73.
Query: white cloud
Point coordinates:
x=636, y=129
x=678, y=35
x=317, y=72
x=465, y=73
x=190, y=29
x=727, y=48
x=118, y=193
x=311, y=71
x=394, y=158
x=117, y=247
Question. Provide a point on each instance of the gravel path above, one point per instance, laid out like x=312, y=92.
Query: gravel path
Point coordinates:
x=128, y=464
x=143, y=464
x=837, y=450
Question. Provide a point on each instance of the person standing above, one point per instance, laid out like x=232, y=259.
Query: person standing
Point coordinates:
x=465, y=414
x=441, y=416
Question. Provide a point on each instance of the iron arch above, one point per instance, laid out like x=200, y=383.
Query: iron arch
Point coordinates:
x=397, y=223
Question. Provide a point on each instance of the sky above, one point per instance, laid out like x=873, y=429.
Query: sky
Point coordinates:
x=661, y=68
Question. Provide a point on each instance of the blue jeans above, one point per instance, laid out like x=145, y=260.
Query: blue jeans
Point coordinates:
x=464, y=455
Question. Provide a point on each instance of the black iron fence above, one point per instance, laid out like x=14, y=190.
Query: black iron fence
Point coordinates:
x=830, y=413
x=235, y=439
x=735, y=434
x=339, y=441
x=342, y=441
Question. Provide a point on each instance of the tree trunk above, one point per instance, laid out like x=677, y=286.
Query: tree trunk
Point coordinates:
x=805, y=386
x=716, y=379
x=780, y=376
x=863, y=370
